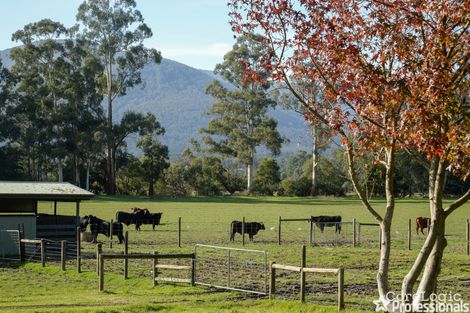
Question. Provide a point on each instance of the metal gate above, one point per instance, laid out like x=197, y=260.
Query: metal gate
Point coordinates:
x=9, y=245
x=232, y=268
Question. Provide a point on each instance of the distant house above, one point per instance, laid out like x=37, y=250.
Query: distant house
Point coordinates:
x=19, y=211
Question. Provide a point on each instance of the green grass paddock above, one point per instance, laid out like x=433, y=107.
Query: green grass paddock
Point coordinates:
x=30, y=288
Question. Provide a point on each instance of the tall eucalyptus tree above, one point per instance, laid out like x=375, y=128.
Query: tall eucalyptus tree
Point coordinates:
x=116, y=31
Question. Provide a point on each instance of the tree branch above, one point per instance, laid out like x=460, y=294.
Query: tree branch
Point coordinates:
x=357, y=187
x=457, y=203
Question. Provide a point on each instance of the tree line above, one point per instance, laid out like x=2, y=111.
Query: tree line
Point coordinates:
x=54, y=126
x=52, y=122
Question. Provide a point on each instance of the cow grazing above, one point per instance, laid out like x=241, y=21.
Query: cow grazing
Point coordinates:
x=328, y=221
x=422, y=223
x=251, y=228
x=99, y=226
x=139, y=217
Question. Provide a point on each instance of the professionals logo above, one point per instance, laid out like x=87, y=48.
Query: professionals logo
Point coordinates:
x=435, y=303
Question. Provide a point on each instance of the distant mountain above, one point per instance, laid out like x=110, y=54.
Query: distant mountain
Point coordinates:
x=175, y=93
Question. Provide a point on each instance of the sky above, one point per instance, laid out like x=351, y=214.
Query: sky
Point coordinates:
x=193, y=32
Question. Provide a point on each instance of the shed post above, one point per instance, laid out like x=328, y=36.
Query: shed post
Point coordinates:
x=63, y=254
x=126, y=251
x=21, y=244
x=302, y=274
x=43, y=252
x=279, y=231
x=79, y=248
x=77, y=213
x=55, y=207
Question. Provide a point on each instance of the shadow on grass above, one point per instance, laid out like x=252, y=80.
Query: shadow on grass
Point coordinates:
x=235, y=200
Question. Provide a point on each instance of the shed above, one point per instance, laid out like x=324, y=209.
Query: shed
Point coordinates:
x=19, y=206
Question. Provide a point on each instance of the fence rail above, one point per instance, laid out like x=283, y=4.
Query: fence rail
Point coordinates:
x=303, y=270
x=140, y=256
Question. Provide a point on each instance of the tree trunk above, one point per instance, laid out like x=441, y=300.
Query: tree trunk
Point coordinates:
x=385, y=227
x=314, y=187
x=61, y=171
x=428, y=283
x=429, y=260
x=151, y=188
x=111, y=150
x=87, y=180
x=77, y=171
x=249, y=175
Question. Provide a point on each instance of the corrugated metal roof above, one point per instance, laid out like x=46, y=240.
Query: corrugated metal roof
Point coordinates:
x=42, y=191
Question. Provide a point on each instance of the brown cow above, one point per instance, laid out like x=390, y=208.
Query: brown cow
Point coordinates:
x=142, y=210
x=422, y=223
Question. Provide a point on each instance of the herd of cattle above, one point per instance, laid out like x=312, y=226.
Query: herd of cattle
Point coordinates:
x=139, y=216
x=142, y=216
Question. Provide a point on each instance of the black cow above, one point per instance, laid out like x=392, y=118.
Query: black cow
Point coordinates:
x=328, y=221
x=251, y=228
x=138, y=218
x=99, y=226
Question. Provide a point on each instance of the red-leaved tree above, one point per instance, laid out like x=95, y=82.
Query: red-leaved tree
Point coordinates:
x=395, y=76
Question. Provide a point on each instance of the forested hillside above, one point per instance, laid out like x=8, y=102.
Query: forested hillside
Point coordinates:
x=175, y=94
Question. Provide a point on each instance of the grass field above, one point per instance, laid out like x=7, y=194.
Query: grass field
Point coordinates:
x=206, y=220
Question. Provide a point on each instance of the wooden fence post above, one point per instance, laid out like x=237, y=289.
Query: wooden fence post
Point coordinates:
x=341, y=289
x=79, y=248
x=99, y=250
x=302, y=274
x=43, y=252
x=279, y=231
x=193, y=270
x=154, y=271
x=272, y=281
x=409, y=234
x=243, y=231
x=63, y=254
x=179, y=232
x=354, y=233
x=358, y=234
x=468, y=237
x=101, y=271
x=311, y=232
x=229, y=262
x=111, y=235
x=126, y=251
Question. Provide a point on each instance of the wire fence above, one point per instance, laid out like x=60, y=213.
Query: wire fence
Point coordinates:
x=232, y=268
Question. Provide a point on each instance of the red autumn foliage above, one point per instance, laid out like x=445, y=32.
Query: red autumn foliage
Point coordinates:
x=394, y=72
